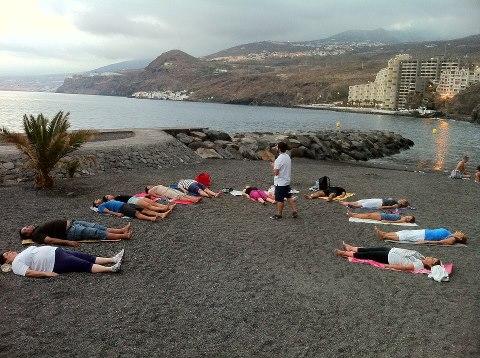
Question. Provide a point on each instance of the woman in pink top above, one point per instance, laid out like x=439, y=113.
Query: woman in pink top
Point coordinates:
x=259, y=195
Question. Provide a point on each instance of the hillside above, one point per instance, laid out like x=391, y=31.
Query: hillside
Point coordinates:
x=278, y=81
x=466, y=103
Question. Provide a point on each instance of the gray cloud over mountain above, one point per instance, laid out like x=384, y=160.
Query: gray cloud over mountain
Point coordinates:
x=120, y=29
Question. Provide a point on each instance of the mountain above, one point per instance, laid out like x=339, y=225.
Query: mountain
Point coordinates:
x=122, y=66
x=32, y=83
x=352, y=39
x=280, y=79
x=377, y=35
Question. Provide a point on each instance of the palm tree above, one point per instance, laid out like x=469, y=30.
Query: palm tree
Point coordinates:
x=45, y=142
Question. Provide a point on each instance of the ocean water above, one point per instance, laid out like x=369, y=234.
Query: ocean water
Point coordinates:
x=439, y=143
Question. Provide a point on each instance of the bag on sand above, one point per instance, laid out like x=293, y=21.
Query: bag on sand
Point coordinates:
x=204, y=178
x=323, y=183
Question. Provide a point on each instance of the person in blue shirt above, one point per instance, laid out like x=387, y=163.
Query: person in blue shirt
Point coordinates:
x=385, y=217
x=120, y=209
x=440, y=236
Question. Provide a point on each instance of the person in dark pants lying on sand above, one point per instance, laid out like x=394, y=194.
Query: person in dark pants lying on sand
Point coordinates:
x=120, y=209
x=190, y=186
x=69, y=232
x=391, y=218
x=330, y=193
x=393, y=258
x=385, y=203
x=143, y=202
x=438, y=236
x=50, y=261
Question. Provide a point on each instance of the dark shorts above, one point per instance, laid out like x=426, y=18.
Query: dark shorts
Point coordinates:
x=130, y=210
x=195, y=187
x=72, y=261
x=336, y=190
x=282, y=193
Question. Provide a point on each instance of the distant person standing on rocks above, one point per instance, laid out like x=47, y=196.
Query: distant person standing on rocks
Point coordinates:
x=460, y=171
x=282, y=171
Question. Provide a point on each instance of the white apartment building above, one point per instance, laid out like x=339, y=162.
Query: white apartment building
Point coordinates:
x=453, y=81
x=393, y=83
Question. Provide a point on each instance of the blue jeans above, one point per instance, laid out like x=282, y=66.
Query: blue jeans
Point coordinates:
x=83, y=230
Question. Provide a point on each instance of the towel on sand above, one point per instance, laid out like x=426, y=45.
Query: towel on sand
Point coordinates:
x=30, y=242
x=369, y=221
x=430, y=243
x=447, y=266
x=236, y=192
x=347, y=195
x=96, y=210
x=182, y=202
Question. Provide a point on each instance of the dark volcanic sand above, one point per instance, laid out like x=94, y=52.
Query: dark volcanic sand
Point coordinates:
x=221, y=279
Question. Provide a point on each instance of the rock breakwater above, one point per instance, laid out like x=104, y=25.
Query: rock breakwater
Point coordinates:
x=320, y=145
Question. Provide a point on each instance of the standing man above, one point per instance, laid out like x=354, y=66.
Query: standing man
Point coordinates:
x=282, y=171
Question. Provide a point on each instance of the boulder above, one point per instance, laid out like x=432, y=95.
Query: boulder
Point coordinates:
x=208, y=153
x=198, y=134
x=226, y=154
x=248, y=153
x=214, y=135
x=293, y=143
x=304, y=140
x=266, y=155
x=8, y=166
x=184, y=138
x=298, y=152
x=233, y=150
x=208, y=144
x=222, y=143
x=195, y=145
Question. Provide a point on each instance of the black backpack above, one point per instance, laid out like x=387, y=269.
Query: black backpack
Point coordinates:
x=323, y=183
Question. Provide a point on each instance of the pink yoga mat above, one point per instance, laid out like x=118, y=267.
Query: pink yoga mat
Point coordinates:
x=448, y=266
x=183, y=202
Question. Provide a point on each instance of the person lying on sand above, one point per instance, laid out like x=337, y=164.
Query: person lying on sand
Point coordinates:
x=69, y=232
x=260, y=195
x=393, y=258
x=477, y=175
x=120, y=209
x=160, y=190
x=50, y=261
x=143, y=202
x=331, y=192
x=190, y=186
x=391, y=218
x=385, y=203
x=438, y=236
x=460, y=170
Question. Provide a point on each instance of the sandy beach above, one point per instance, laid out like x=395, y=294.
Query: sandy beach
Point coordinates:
x=220, y=279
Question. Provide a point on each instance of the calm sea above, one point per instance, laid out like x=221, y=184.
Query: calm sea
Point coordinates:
x=439, y=150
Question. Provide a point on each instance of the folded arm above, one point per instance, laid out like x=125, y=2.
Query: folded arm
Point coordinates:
x=40, y=274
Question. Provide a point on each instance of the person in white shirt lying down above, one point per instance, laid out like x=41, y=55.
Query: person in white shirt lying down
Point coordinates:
x=50, y=261
x=393, y=258
x=377, y=203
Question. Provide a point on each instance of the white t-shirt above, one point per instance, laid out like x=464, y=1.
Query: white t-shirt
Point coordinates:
x=34, y=258
x=371, y=203
x=284, y=164
x=398, y=256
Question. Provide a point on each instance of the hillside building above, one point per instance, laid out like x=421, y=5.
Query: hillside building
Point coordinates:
x=393, y=83
x=453, y=81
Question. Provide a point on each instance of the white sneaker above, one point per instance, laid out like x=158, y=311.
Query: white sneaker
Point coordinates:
x=116, y=267
x=118, y=257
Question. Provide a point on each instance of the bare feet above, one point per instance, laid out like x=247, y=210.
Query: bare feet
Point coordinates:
x=340, y=253
x=307, y=196
x=348, y=247
x=378, y=233
x=127, y=227
x=349, y=213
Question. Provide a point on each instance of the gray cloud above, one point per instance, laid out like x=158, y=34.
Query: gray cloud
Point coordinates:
x=126, y=29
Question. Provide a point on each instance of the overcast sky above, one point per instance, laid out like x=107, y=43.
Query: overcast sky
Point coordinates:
x=58, y=36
